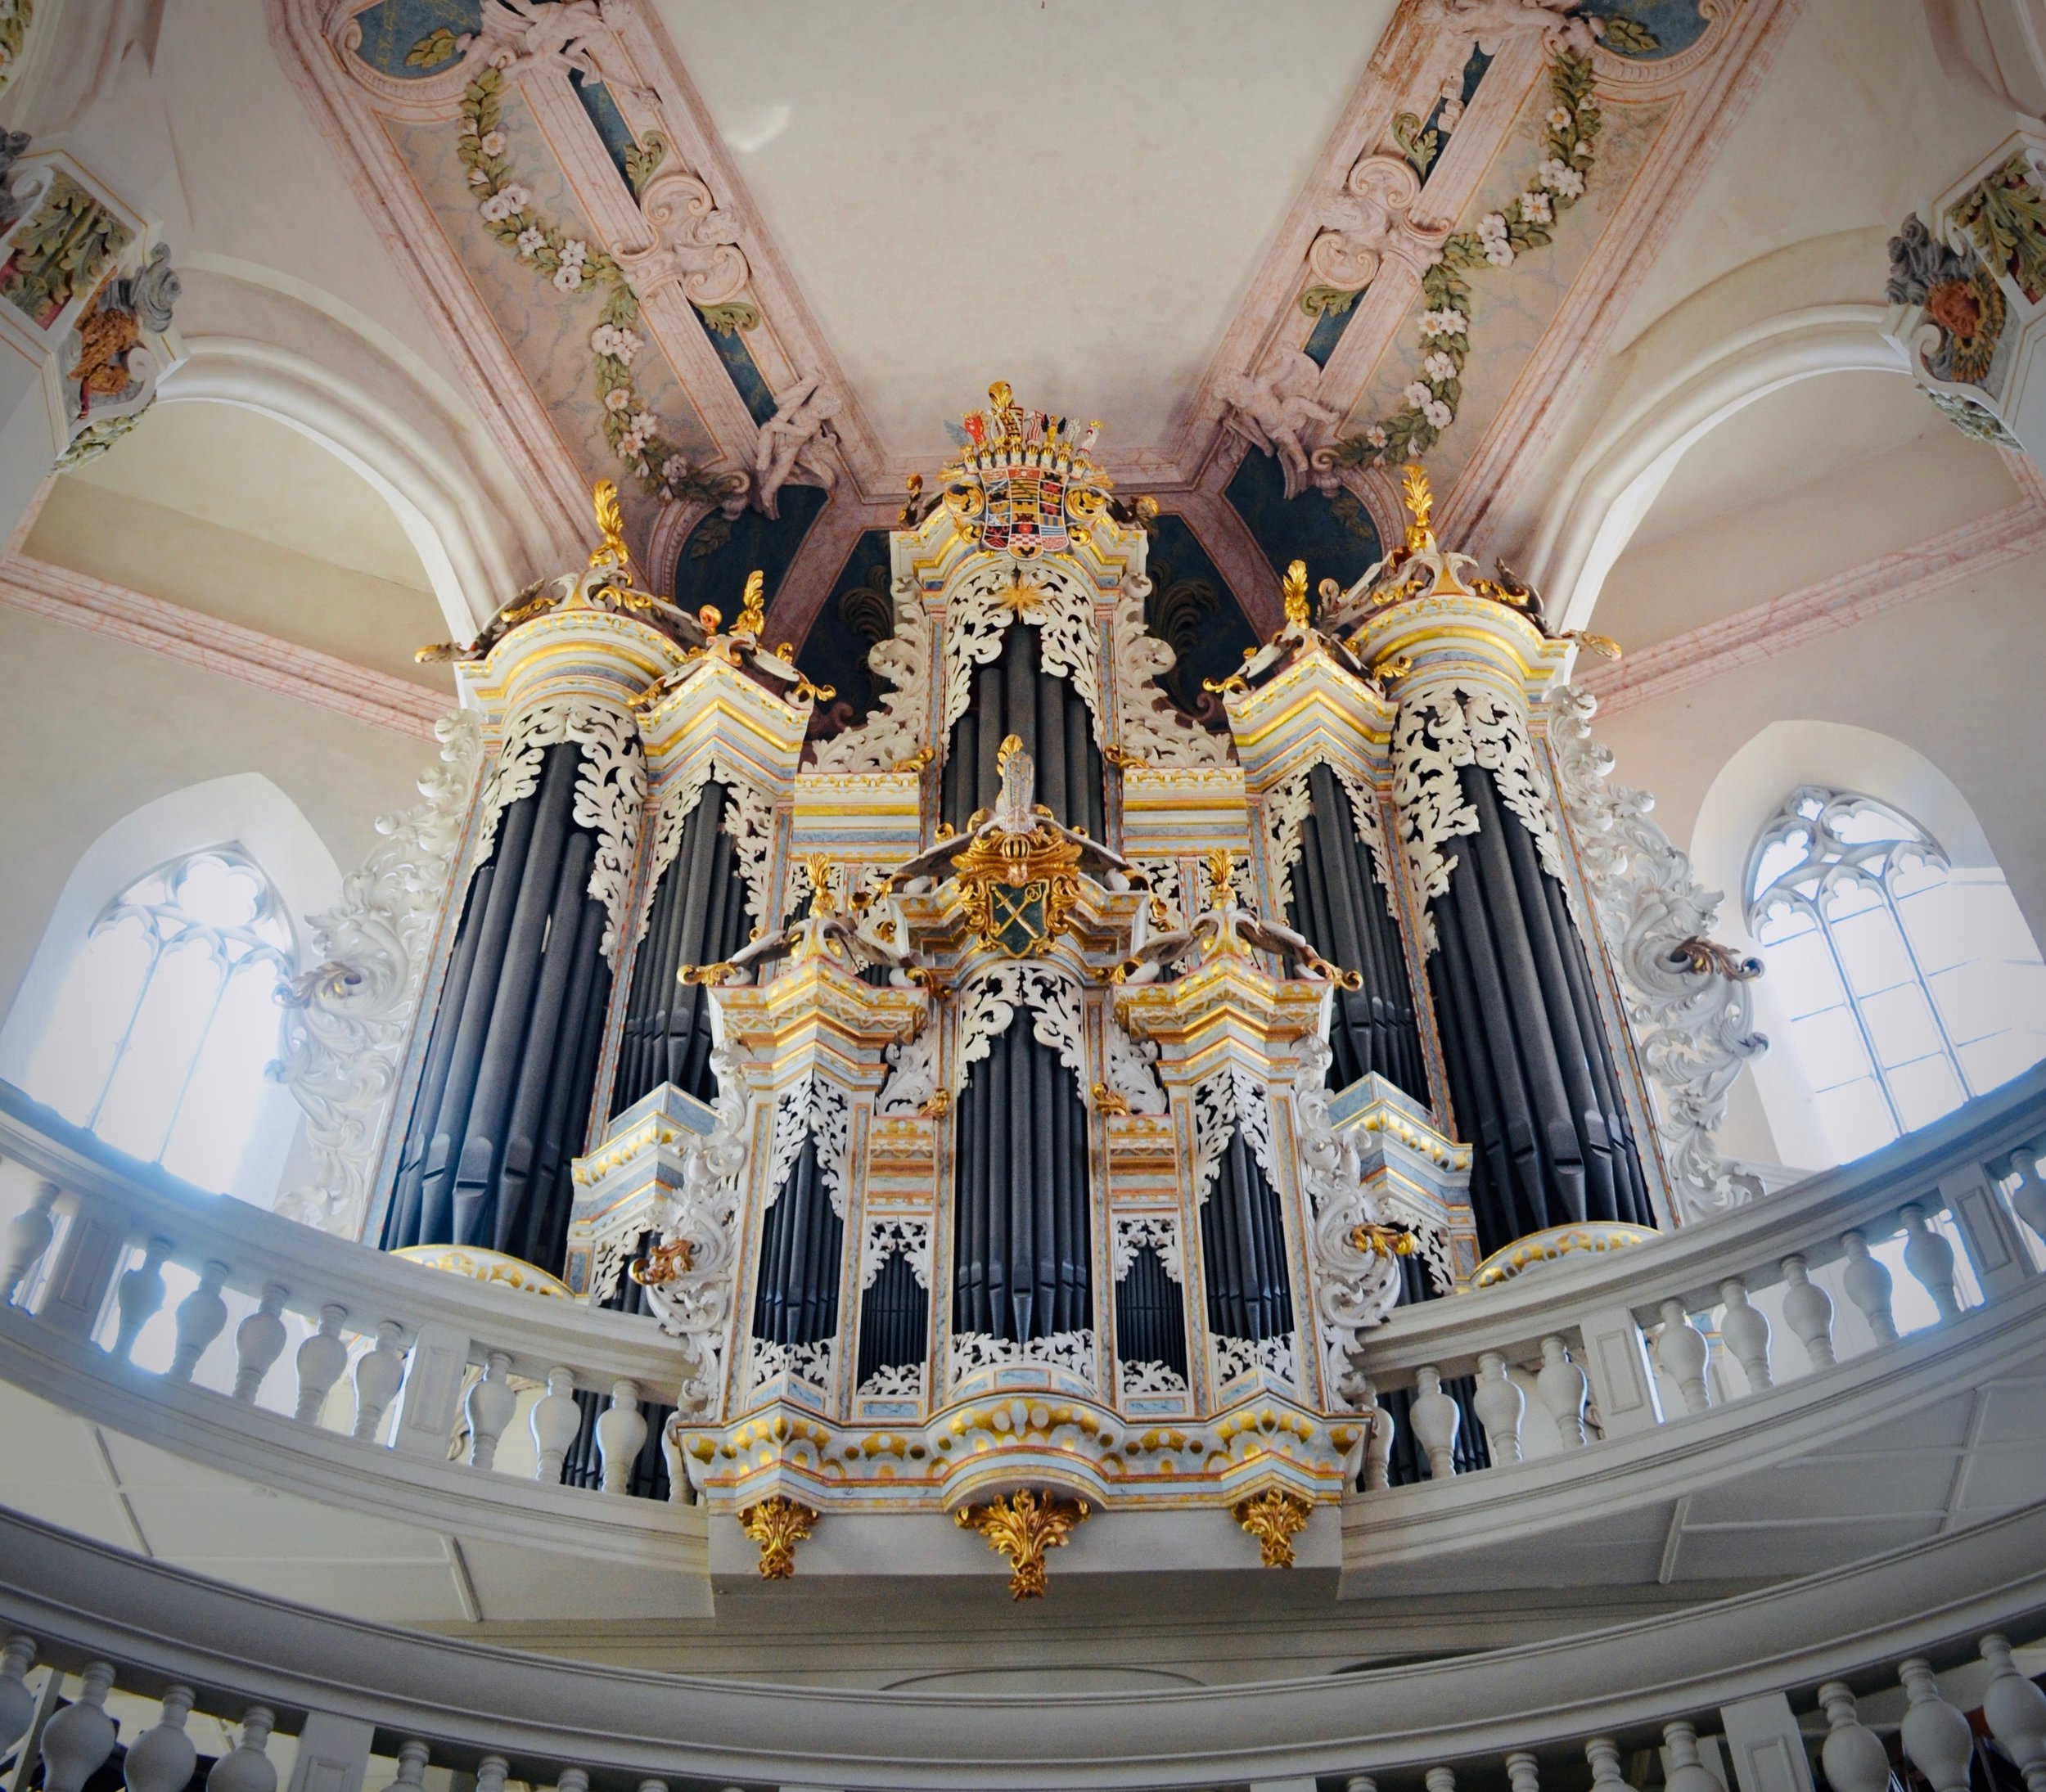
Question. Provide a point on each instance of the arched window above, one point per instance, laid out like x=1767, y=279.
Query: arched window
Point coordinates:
x=169, y=1014
x=1909, y=985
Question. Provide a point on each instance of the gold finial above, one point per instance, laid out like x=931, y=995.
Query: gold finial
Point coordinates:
x=817, y=868
x=708, y=618
x=1414, y=488
x=1295, y=589
x=1221, y=861
x=753, y=605
x=1012, y=744
x=1274, y=1518
x=611, y=523
x=1000, y=393
x=778, y=1524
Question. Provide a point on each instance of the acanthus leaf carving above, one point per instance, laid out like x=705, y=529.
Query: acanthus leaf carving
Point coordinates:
x=1128, y=1070
x=1147, y=724
x=893, y=732
x=988, y=1004
x=1693, y=1019
x=979, y=610
x=890, y=1235
x=345, y=1023
x=1159, y=1232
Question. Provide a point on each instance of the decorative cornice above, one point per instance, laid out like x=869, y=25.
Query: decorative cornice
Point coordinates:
x=1891, y=582
x=57, y=594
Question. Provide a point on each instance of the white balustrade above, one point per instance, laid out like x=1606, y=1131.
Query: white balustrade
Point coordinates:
x=1360, y=1782
x=1441, y=1779
x=1808, y=1310
x=1523, y=1772
x=248, y=1768
x=555, y=1420
x=620, y=1433
x=2015, y=1709
x=1853, y=1754
x=1500, y=1405
x=1747, y=1333
x=488, y=1410
x=321, y=1361
x=1687, y=1771
x=28, y=1235
x=1868, y=1284
x=202, y=1316
x=1563, y=1390
x=17, y=1703
x=259, y=1341
x=490, y=1773
x=77, y=1741
x=139, y=1294
x=1435, y=1421
x=412, y=1766
x=1603, y=1754
x=1930, y=1259
x=161, y=1760
x=379, y=1373
x=1683, y=1354
x=2028, y=1199
x=1937, y=1740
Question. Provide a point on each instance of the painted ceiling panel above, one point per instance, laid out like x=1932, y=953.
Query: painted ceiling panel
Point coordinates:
x=952, y=213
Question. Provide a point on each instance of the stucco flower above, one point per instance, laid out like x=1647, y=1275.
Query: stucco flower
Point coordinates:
x=619, y=399
x=532, y=240
x=1535, y=208
x=673, y=468
x=1559, y=118
x=1439, y=367
x=643, y=425
x=1559, y=177
x=1439, y=415
x=1375, y=435
x=609, y=339
x=1446, y=322
x=631, y=442
x=568, y=277
x=493, y=143
x=574, y=252
x=1417, y=394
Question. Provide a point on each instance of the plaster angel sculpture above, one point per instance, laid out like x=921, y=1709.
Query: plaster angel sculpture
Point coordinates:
x=793, y=438
x=581, y=35
x=1491, y=22
x=1275, y=409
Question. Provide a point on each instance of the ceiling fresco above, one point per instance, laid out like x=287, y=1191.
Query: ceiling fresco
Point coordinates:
x=1458, y=241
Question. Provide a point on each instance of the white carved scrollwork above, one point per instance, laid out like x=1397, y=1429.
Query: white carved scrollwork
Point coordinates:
x=1364, y=817
x=1237, y=1357
x=914, y=1079
x=1285, y=812
x=1693, y=1019
x=1354, y=1287
x=1128, y=1069
x=974, y=1351
x=989, y=1002
x=808, y=1363
x=610, y=791
x=1134, y=1378
x=1163, y=876
x=981, y=605
x=749, y=819
x=1371, y=219
x=1440, y=729
x=894, y=1380
x=893, y=733
x=811, y=1106
x=345, y=1023
x=889, y=1234
x=1148, y=724
x=695, y=1306
x=1230, y=1098
x=1134, y=1232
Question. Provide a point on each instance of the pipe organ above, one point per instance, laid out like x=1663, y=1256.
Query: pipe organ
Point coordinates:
x=1021, y=1105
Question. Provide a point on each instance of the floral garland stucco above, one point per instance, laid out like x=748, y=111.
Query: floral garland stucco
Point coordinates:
x=1527, y=221
x=630, y=427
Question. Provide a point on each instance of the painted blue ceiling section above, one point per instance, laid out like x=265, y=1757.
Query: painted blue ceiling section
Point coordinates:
x=1672, y=24
x=1334, y=535
x=859, y=612
x=1192, y=608
x=720, y=552
x=392, y=29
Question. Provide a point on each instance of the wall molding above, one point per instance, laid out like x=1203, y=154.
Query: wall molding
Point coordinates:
x=213, y=644
x=1891, y=582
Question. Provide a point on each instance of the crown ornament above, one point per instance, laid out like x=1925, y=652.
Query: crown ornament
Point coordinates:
x=1022, y=483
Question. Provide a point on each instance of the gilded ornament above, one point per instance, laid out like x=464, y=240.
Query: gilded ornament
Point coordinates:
x=919, y=761
x=1705, y=958
x=938, y=1106
x=1123, y=759
x=752, y=606
x=1294, y=589
x=1020, y=1528
x=663, y=1263
x=611, y=550
x=1274, y=1518
x=1108, y=1100
x=778, y=1526
x=1382, y=1240
x=1419, y=498
x=1020, y=888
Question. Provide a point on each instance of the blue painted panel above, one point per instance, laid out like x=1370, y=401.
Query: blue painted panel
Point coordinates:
x=720, y=552
x=1674, y=25
x=745, y=372
x=610, y=122
x=1334, y=535
x=860, y=611
x=1192, y=608
x=1328, y=331
x=392, y=29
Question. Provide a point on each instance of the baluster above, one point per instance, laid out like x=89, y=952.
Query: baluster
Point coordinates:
x=1434, y=1419
x=572, y=1780
x=28, y=1235
x=1441, y=1780
x=671, y=1453
x=490, y=1773
x=1746, y=1329
x=321, y=1360
x=379, y=1373
x=77, y=1741
x=1687, y=1772
x=412, y=1766
x=1603, y=1754
x=1500, y=1406
x=1563, y=1389
x=1868, y=1284
x=259, y=1341
x=17, y=1703
x=2028, y=1199
x=2016, y=1710
x=161, y=1760
x=1379, y=1431
x=248, y=1769
x=620, y=1432
x=201, y=1315
x=1808, y=1310
x=555, y=1420
x=1930, y=1259
x=488, y=1409
x=1683, y=1352
x=1853, y=1754
x=1360, y=1782
x=138, y=1294
x=1937, y=1740
x=1523, y=1772
x=653, y=1785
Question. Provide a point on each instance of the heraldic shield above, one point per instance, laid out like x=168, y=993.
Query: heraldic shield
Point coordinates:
x=1026, y=514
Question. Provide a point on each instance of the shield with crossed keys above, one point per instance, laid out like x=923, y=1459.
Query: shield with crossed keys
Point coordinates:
x=1018, y=914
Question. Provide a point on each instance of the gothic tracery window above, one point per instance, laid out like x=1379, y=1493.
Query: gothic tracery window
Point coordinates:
x=1910, y=984
x=169, y=1015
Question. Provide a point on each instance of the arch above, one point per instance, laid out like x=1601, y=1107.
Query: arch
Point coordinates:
x=1611, y=485
x=1748, y=791
x=244, y=809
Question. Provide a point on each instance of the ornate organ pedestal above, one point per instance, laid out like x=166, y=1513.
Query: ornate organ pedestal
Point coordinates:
x=1022, y=1105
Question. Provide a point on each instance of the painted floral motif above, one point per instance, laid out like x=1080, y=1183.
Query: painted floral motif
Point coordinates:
x=573, y=266
x=1428, y=404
